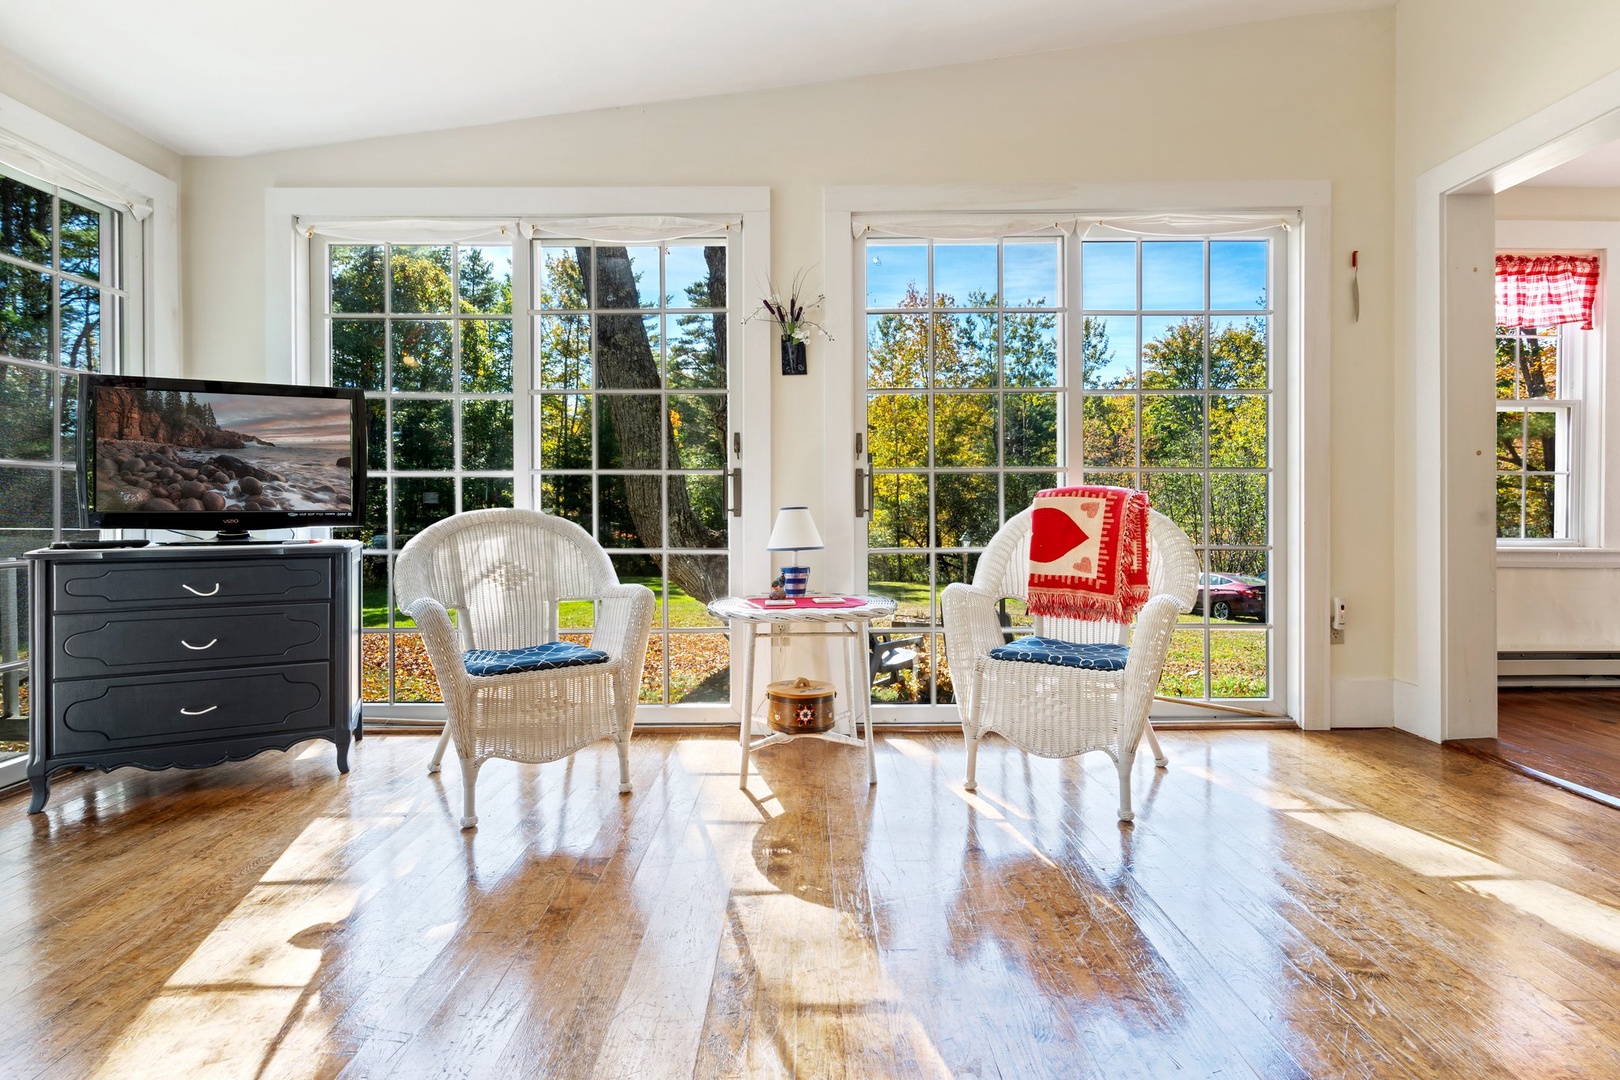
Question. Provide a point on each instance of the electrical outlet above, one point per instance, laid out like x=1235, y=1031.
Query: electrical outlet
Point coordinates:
x=1337, y=633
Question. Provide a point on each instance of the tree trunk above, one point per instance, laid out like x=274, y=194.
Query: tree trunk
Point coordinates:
x=625, y=361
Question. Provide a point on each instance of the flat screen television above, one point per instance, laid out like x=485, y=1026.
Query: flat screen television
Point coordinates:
x=189, y=454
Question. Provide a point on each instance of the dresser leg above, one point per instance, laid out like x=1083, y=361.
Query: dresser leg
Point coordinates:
x=42, y=791
x=343, y=753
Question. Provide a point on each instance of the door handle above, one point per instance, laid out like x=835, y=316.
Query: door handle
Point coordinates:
x=732, y=487
x=865, y=482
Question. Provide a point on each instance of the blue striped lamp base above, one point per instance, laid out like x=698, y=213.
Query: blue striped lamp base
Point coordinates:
x=795, y=580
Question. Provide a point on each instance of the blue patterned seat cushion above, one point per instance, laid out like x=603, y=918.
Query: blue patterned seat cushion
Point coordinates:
x=1042, y=650
x=553, y=654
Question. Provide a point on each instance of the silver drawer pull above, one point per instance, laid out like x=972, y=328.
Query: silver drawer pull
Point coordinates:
x=195, y=592
x=197, y=712
x=199, y=648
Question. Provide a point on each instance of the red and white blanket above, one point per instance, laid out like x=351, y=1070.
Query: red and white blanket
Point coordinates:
x=1088, y=553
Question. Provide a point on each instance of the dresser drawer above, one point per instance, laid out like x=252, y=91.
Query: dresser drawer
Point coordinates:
x=88, y=646
x=94, y=715
x=91, y=586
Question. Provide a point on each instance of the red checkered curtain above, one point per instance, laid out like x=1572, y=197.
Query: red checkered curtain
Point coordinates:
x=1545, y=290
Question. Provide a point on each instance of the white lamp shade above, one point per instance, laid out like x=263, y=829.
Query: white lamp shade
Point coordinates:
x=795, y=530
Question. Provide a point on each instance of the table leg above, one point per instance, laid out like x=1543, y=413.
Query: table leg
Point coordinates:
x=746, y=731
x=849, y=679
x=859, y=647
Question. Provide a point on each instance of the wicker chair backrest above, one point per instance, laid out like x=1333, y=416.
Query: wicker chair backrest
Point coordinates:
x=503, y=572
x=1172, y=568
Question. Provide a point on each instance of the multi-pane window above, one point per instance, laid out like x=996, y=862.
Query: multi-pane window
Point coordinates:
x=964, y=407
x=630, y=402
x=60, y=307
x=1178, y=401
x=426, y=331
x=977, y=378
x=1535, y=413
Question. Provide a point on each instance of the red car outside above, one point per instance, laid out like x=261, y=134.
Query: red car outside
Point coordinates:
x=1231, y=596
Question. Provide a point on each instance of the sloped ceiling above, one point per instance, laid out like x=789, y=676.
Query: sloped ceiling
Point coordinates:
x=229, y=78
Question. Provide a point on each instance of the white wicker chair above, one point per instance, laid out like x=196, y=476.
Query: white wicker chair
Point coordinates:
x=503, y=572
x=1054, y=711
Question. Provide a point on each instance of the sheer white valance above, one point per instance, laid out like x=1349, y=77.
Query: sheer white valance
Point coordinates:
x=630, y=229
x=962, y=226
x=996, y=226
x=36, y=161
x=1189, y=225
x=411, y=230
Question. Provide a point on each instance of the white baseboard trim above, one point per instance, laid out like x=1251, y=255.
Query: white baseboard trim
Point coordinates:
x=1363, y=703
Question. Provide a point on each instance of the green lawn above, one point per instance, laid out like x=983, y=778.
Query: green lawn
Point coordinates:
x=1237, y=659
x=684, y=610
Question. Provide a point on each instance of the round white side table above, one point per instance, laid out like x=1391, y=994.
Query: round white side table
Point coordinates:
x=850, y=624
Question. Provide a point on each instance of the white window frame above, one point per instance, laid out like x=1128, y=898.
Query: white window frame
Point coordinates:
x=291, y=322
x=1571, y=495
x=1302, y=661
x=55, y=153
x=149, y=328
x=1587, y=360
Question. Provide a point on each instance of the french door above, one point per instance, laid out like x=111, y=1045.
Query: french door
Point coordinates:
x=997, y=367
x=633, y=437
x=589, y=379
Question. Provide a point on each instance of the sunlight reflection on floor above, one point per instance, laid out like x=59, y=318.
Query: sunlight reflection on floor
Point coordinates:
x=1574, y=914
x=231, y=1008
x=1579, y=916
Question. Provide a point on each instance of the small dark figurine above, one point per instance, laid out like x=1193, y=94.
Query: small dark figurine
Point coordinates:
x=777, y=592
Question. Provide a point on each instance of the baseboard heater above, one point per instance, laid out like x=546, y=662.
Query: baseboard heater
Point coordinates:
x=1568, y=669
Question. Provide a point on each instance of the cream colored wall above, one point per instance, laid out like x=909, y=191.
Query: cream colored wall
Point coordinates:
x=1558, y=204
x=1305, y=99
x=1464, y=71
x=1545, y=610
x=64, y=109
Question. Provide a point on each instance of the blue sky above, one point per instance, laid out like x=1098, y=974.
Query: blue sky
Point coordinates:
x=1172, y=273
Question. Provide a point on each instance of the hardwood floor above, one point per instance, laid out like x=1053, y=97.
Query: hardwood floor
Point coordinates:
x=1347, y=904
x=1566, y=737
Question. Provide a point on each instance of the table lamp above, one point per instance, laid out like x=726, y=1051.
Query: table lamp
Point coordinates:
x=795, y=531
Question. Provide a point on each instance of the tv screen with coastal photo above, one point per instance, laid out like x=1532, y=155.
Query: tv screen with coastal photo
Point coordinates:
x=198, y=450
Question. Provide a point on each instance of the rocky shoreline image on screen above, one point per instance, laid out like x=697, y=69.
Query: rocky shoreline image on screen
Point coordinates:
x=164, y=450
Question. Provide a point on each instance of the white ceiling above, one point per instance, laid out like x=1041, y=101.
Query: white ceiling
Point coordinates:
x=234, y=77
x=1597, y=168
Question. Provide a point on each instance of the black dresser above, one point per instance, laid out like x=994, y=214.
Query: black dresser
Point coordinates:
x=185, y=656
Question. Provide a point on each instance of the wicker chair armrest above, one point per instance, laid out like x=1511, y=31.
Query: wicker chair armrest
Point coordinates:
x=443, y=645
x=624, y=615
x=971, y=626
x=971, y=631
x=1150, y=645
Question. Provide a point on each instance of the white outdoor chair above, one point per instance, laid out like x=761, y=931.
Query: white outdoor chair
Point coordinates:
x=1051, y=710
x=503, y=572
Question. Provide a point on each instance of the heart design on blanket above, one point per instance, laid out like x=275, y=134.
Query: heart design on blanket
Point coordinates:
x=1088, y=553
x=1055, y=535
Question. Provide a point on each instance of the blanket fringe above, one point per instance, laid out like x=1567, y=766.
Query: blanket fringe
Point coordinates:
x=1064, y=603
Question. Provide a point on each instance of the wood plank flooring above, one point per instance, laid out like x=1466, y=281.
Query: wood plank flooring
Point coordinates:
x=1568, y=737
x=1286, y=905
